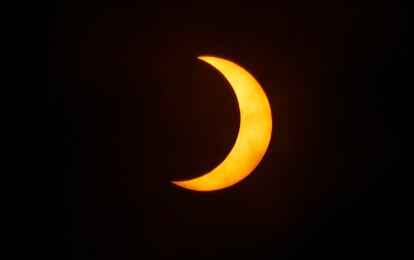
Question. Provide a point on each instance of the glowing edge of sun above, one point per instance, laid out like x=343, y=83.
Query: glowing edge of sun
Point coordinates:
x=254, y=132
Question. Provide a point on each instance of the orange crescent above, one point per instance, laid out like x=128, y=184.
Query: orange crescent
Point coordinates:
x=254, y=133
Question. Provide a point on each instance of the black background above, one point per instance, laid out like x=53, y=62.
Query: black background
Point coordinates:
x=113, y=104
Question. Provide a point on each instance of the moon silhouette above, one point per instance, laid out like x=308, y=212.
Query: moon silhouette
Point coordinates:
x=253, y=136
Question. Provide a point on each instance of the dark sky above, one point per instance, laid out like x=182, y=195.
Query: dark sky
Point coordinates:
x=114, y=105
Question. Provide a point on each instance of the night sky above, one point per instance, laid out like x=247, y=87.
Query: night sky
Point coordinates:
x=113, y=105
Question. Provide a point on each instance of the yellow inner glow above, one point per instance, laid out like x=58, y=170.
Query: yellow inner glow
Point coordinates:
x=254, y=132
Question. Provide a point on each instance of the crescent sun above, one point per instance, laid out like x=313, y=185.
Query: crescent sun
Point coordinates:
x=253, y=136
